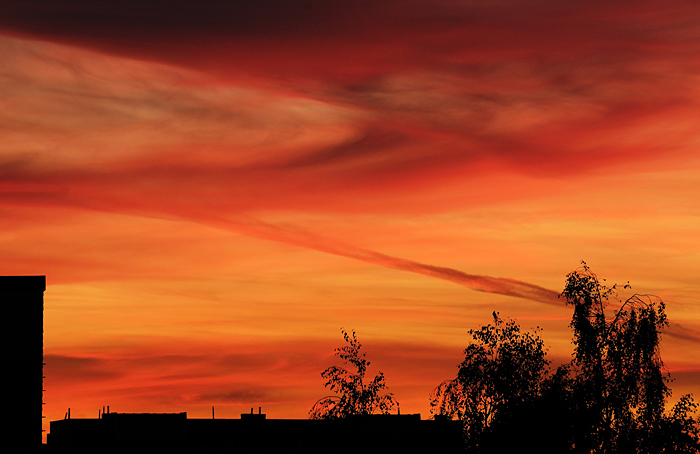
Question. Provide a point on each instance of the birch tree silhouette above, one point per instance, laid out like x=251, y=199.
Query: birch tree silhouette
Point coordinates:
x=611, y=398
x=620, y=385
x=352, y=395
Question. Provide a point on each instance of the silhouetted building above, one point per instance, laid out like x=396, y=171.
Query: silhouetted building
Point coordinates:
x=254, y=433
x=22, y=302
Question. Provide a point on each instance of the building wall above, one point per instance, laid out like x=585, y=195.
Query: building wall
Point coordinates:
x=22, y=302
x=174, y=433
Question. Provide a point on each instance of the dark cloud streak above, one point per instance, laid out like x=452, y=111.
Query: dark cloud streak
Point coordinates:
x=354, y=40
x=549, y=54
x=480, y=283
x=681, y=332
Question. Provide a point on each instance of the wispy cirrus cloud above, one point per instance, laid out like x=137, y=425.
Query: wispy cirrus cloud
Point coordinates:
x=123, y=136
x=499, y=133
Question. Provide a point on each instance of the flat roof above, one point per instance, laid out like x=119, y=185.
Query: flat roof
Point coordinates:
x=23, y=283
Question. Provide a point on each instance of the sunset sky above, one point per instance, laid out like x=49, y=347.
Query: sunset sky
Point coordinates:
x=214, y=189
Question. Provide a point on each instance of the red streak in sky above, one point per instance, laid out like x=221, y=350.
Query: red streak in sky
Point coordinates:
x=488, y=284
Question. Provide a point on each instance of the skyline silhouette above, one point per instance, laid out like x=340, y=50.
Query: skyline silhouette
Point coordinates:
x=215, y=188
x=505, y=395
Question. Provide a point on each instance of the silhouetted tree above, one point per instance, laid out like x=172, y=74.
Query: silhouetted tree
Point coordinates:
x=353, y=396
x=619, y=387
x=678, y=432
x=500, y=376
x=610, y=399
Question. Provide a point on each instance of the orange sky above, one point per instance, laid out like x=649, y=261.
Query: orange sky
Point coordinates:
x=214, y=190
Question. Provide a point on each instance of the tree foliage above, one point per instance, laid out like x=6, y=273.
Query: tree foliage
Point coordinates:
x=619, y=385
x=611, y=398
x=352, y=395
x=501, y=374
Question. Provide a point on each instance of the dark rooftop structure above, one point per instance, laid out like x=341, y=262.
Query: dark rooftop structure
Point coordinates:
x=254, y=433
x=172, y=433
x=22, y=300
